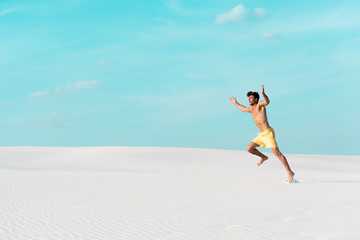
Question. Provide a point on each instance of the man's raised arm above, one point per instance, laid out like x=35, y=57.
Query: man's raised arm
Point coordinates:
x=241, y=107
x=266, y=98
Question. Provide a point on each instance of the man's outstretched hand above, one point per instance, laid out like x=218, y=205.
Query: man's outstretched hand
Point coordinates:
x=233, y=100
x=262, y=89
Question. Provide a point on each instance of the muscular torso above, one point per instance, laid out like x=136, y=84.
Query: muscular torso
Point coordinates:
x=259, y=115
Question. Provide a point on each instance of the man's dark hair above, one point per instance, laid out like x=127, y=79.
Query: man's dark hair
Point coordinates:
x=255, y=94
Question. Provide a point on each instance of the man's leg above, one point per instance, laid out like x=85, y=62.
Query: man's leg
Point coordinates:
x=251, y=148
x=283, y=160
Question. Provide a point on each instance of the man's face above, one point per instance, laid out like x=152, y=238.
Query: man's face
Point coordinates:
x=252, y=100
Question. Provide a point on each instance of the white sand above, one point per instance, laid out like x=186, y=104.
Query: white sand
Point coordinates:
x=174, y=193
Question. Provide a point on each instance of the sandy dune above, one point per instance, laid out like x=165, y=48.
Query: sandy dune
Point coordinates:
x=174, y=193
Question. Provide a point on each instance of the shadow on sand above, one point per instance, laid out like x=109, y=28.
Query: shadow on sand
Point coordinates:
x=329, y=181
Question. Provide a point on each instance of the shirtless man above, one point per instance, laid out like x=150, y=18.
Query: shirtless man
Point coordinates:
x=266, y=137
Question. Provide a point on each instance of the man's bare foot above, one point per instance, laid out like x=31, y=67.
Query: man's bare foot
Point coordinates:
x=291, y=177
x=262, y=160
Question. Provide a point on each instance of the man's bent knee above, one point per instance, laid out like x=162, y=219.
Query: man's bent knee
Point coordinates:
x=251, y=147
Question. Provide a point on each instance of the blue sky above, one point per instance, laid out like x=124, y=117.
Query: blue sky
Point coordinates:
x=160, y=73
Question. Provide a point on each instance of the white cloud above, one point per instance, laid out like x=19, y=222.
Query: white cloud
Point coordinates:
x=2, y=64
x=55, y=120
x=102, y=62
x=71, y=88
x=240, y=13
x=333, y=19
x=7, y=11
x=260, y=13
x=269, y=35
x=39, y=94
x=175, y=5
x=235, y=14
x=82, y=85
x=165, y=43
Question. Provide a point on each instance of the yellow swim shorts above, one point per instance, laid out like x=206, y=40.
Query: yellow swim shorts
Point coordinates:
x=266, y=138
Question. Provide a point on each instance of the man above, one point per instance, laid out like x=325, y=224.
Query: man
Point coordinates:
x=266, y=137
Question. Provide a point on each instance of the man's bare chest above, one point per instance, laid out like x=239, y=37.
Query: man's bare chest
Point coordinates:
x=258, y=113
